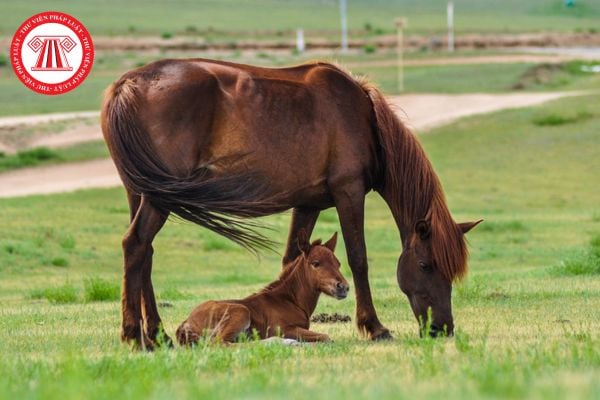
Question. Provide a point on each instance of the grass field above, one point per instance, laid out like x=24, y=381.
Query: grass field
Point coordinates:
x=425, y=16
x=527, y=317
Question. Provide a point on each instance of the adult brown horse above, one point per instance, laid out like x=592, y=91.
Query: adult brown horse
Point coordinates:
x=216, y=142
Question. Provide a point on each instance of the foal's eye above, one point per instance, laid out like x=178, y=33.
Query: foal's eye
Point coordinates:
x=425, y=267
x=315, y=263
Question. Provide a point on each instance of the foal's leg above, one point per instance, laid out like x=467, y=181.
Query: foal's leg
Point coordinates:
x=302, y=218
x=350, y=204
x=137, y=250
x=236, y=319
x=304, y=335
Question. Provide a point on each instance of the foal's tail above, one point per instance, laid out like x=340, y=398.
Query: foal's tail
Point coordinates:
x=185, y=335
x=216, y=203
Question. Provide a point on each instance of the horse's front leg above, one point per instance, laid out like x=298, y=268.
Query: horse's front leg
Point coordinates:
x=137, y=251
x=302, y=218
x=350, y=204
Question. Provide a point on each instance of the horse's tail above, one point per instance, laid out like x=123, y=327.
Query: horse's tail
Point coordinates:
x=216, y=203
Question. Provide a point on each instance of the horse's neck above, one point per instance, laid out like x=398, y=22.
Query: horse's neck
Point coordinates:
x=293, y=287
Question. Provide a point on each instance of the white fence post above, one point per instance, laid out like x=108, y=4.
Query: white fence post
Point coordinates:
x=344, y=21
x=450, y=15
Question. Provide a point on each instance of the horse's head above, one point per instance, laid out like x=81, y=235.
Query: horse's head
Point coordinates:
x=322, y=267
x=429, y=263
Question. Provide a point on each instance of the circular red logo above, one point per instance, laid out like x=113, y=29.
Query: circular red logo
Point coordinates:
x=52, y=53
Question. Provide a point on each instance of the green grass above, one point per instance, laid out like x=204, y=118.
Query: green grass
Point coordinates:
x=523, y=331
x=43, y=156
x=188, y=17
x=27, y=158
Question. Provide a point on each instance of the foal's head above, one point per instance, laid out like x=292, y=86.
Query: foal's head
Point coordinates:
x=321, y=266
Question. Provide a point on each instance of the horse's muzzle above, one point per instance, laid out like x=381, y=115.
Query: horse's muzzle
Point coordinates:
x=436, y=331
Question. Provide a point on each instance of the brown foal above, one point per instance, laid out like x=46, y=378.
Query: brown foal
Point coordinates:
x=282, y=308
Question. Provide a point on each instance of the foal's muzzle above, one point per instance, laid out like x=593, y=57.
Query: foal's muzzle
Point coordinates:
x=341, y=290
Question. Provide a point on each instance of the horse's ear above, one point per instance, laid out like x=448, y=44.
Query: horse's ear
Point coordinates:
x=423, y=229
x=303, y=243
x=467, y=226
x=330, y=244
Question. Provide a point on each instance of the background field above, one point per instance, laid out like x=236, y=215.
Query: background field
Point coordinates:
x=379, y=67
x=426, y=16
x=527, y=315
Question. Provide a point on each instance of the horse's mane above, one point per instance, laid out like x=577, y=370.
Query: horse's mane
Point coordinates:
x=413, y=189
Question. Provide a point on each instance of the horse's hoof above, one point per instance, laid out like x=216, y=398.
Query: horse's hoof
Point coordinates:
x=381, y=334
x=138, y=342
x=164, y=340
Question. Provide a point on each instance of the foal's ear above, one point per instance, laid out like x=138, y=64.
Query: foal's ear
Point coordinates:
x=303, y=243
x=330, y=244
x=467, y=226
x=423, y=229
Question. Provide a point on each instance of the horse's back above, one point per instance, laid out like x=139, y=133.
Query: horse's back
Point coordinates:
x=288, y=124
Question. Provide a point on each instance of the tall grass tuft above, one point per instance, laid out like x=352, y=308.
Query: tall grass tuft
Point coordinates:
x=27, y=158
x=64, y=294
x=98, y=289
x=559, y=119
x=585, y=263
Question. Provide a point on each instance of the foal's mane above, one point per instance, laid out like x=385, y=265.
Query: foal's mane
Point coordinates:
x=288, y=270
x=413, y=189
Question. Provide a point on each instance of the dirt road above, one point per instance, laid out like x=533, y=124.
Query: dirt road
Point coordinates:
x=420, y=111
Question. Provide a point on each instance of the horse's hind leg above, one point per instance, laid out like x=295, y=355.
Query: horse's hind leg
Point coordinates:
x=137, y=250
x=152, y=321
x=350, y=204
x=302, y=218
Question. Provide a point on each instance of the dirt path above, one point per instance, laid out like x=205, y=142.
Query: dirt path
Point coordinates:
x=420, y=111
x=37, y=119
x=471, y=60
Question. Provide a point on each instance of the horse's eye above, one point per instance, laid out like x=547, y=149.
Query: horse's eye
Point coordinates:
x=425, y=267
x=315, y=263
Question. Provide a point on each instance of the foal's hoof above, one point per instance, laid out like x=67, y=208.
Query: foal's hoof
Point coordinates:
x=143, y=344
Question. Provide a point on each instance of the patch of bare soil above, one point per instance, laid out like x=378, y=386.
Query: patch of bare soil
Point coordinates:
x=538, y=75
x=325, y=318
x=471, y=60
